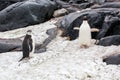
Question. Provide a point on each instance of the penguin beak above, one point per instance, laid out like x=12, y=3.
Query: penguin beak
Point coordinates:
x=67, y=38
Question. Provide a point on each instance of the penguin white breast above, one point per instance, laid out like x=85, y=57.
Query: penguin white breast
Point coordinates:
x=85, y=34
x=33, y=43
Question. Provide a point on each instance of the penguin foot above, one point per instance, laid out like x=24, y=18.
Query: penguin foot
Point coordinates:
x=27, y=58
x=96, y=42
x=84, y=46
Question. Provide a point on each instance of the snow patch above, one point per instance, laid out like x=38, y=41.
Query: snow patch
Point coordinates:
x=63, y=60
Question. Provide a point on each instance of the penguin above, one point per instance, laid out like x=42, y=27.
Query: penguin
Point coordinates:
x=28, y=45
x=85, y=34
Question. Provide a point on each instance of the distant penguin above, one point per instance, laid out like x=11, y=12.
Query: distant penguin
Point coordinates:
x=28, y=45
x=84, y=35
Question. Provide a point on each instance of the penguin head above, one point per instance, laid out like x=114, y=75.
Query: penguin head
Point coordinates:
x=29, y=32
x=85, y=17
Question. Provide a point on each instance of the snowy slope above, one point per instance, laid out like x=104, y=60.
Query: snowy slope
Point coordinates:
x=64, y=60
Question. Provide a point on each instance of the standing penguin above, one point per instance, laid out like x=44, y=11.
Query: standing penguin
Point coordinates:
x=28, y=45
x=84, y=35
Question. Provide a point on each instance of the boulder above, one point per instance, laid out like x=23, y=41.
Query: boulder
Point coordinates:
x=6, y=3
x=110, y=40
x=95, y=19
x=112, y=59
x=23, y=14
x=60, y=12
x=110, y=5
x=7, y=45
x=111, y=26
x=90, y=1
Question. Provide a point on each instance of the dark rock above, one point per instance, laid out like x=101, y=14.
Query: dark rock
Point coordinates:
x=67, y=6
x=7, y=45
x=82, y=5
x=112, y=59
x=112, y=0
x=90, y=1
x=68, y=23
x=110, y=5
x=6, y=3
x=111, y=26
x=77, y=1
x=96, y=1
x=95, y=19
x=60, y=12
x=27, y=13
x=62, y=4
x=110, y=40
x=114, y=24
x=43, y=47
x=65, y=0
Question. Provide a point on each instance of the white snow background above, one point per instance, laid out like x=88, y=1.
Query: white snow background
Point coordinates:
x=63, y=60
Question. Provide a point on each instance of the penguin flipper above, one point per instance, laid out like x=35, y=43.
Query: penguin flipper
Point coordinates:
x=31, y=46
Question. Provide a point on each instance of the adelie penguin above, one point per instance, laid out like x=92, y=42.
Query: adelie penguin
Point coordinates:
x=28, y=45
x=85, y=33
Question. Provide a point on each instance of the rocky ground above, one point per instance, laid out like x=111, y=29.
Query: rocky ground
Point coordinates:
x=63, y=60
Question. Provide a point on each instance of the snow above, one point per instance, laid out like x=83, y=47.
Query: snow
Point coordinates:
x=63, y=60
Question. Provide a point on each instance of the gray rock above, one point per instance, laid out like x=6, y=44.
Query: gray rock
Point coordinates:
x=110, y=40
x=112, y=59
x=60, y=12
x=27, y=13
x=6, y=3
x=95, y=19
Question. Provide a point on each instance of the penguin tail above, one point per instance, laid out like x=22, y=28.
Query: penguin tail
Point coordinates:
x=104, y=60
x=21, y=59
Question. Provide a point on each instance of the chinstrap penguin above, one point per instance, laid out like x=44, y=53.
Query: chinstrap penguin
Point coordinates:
x=28, y=45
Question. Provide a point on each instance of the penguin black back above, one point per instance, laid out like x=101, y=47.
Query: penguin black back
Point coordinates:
x=27, y=45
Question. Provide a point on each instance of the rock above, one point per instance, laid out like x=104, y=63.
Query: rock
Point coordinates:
x=110, y=27
x=110, y=5
x=112, y=0
x=77, y=1
x=95, y=19
x=96, y=1
x=7, y=45
x=80, y=4
x=112, y=59
x=60, y=12
x=6, y=3
x=26, y=13
x=85, y=5
x=65, y=0
x=110, y=40
x=52, y=34
x=67, y=6
x=90, y=1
